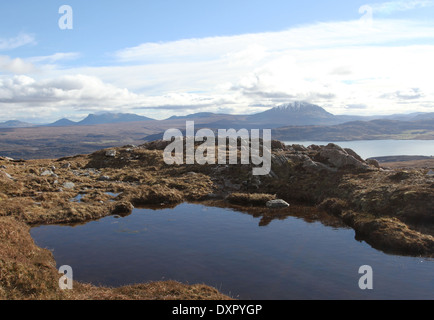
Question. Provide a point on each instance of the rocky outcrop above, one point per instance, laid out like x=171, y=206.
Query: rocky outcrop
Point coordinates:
x=338, y=157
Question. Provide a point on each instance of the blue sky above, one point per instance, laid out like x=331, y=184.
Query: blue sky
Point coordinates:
x=160, y=58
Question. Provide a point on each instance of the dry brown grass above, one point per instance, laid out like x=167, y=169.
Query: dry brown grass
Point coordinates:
x=250, y=199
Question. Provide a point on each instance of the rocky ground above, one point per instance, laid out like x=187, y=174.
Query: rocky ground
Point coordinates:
x=389, y=209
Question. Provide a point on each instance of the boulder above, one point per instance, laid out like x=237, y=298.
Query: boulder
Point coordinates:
x=110, y=153
x=340, y=158
x=279, y=203
x=69, y=185
x=47, y=173
x=374, y=163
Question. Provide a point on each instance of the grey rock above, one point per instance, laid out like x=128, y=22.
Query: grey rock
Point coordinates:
x=374, y=163
x=69, y=185
x=110, y=153
x=430, y=173
x=66, y=166
x=7, y=175
x=47, y=173
x=311, y=165
x=279, y=203
x=299, y=147
x=104, y=178
x=351, y=152
x=339, y=158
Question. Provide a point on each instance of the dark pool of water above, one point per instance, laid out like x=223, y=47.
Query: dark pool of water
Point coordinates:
x=287, y=259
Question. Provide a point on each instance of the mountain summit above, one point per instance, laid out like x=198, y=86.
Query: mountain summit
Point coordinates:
x=295, y=113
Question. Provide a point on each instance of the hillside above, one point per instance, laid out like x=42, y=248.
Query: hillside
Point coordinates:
x=360, y=130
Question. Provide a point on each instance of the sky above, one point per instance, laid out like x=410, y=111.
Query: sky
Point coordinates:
x=167, y=57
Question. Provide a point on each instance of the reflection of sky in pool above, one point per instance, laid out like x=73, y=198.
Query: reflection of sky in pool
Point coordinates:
x=288, y=259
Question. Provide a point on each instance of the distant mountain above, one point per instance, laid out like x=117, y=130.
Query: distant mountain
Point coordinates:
x=298, y=114
x=62, y=123
x=193, y=116
x=106, y=118
x=15, y=124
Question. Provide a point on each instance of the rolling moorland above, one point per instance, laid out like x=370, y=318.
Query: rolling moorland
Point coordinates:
x=389, y=209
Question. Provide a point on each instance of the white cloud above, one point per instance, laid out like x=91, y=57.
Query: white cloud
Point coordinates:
x=397, y=6
x=339, y=65
x=60, y=56
x=16, y=66
x=12, y=43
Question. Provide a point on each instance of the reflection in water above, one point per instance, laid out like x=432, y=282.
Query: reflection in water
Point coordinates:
x=290, y=258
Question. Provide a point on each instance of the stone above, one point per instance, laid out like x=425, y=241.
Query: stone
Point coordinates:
x=7, y=175
x=311, y=165
x=299, y=147
x=279, y=203
x=277, y=145
x=110, y=153
x=104, y=178
x=430, y=173
x=351, y=152
x=66, y=166
x=340, y=158
x=69, y=185
x=374, y=163
x=47, y=173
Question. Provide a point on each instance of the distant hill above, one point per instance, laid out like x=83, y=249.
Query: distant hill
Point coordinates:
x=193, y=116
x=62, y=123
x=15, y=124
x=104, y=118
x=360, y=130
